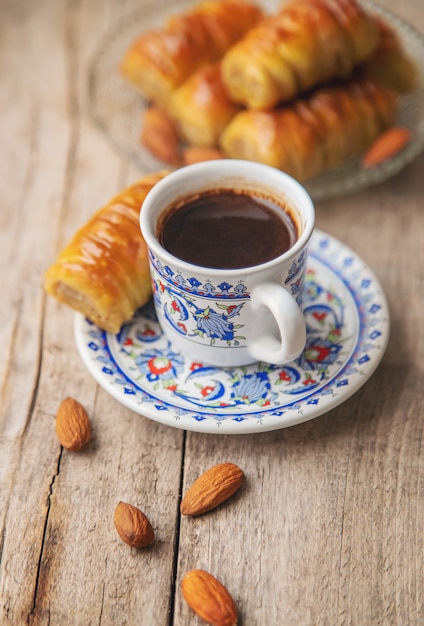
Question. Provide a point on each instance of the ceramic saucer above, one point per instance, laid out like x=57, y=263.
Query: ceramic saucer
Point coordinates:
x=348, y=330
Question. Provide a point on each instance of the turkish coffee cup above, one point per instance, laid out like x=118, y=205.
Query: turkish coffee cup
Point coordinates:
x=227, y=243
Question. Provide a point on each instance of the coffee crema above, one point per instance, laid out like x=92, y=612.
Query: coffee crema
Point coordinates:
x=227, y=229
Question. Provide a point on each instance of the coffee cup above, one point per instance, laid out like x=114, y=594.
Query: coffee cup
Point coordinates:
x=228, y=244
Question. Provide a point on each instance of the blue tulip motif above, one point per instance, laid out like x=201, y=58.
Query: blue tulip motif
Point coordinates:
x=252, y=388
x=217, y=325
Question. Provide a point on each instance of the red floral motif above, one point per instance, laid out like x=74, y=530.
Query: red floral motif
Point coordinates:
x=128, y=342
x=284, y=376
x=171, y=387
x=320, y=316
x=318, y=353
x=158, y=365
x=182, y=326
x=309, y=381
x=175, y=306
x=195, y=366
x=206, y=391
x=148, y=332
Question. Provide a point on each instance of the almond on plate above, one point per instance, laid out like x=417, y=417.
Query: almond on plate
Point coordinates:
x=72, y=425
x=209, y=599
x=212, y=488
x=386, y=146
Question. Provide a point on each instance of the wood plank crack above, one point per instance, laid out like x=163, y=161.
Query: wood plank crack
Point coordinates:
x=177, y=538
x=43, y=541
x=35, y=390
x=3, y=535
x=102, y=602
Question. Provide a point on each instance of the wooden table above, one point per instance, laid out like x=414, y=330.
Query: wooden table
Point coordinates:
x=329, y=526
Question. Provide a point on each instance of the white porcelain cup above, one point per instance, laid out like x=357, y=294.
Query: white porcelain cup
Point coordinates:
x=230, y=317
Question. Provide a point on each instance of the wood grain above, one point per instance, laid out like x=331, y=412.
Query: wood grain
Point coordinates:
x=328, y=528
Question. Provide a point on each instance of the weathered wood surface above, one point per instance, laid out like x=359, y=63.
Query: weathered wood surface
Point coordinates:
x=329, y=527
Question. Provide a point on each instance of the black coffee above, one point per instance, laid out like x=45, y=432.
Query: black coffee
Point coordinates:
x=227, y=229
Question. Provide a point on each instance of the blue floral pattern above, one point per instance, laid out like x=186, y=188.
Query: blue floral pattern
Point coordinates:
x=347, y=331
x=207, y=312
x=186, y=317
x=192, y=286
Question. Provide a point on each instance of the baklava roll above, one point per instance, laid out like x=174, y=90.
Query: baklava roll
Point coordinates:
x=160, y=60
x=201, y=108
x=308, y=43
x=315, y=134
x=390, y=64
x=104, y=271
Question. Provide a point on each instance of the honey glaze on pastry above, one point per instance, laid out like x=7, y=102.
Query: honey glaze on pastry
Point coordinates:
x=201, y=108
x=315, y=134
x=104, y=272
x=160, y=60
x=308, y=43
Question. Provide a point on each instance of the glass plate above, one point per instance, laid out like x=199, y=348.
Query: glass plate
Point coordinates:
x=117, y=108
x=348, y=324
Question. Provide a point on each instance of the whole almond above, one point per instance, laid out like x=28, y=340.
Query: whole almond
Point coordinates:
x=133, y=526
x=72, y=425
x=386, y=146
x=212, y=488
x=209, y=599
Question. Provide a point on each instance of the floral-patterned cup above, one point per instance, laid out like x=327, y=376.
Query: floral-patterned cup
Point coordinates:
x=230, y=317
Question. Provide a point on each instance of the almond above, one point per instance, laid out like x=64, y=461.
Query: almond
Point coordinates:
x=386, y=146
x=197, y=154
x=72, y=425
x=160, y=136
x=211, y=489
x=209, y=599
x=133, y=526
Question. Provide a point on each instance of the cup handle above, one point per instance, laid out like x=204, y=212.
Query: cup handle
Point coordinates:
x=279, y=329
